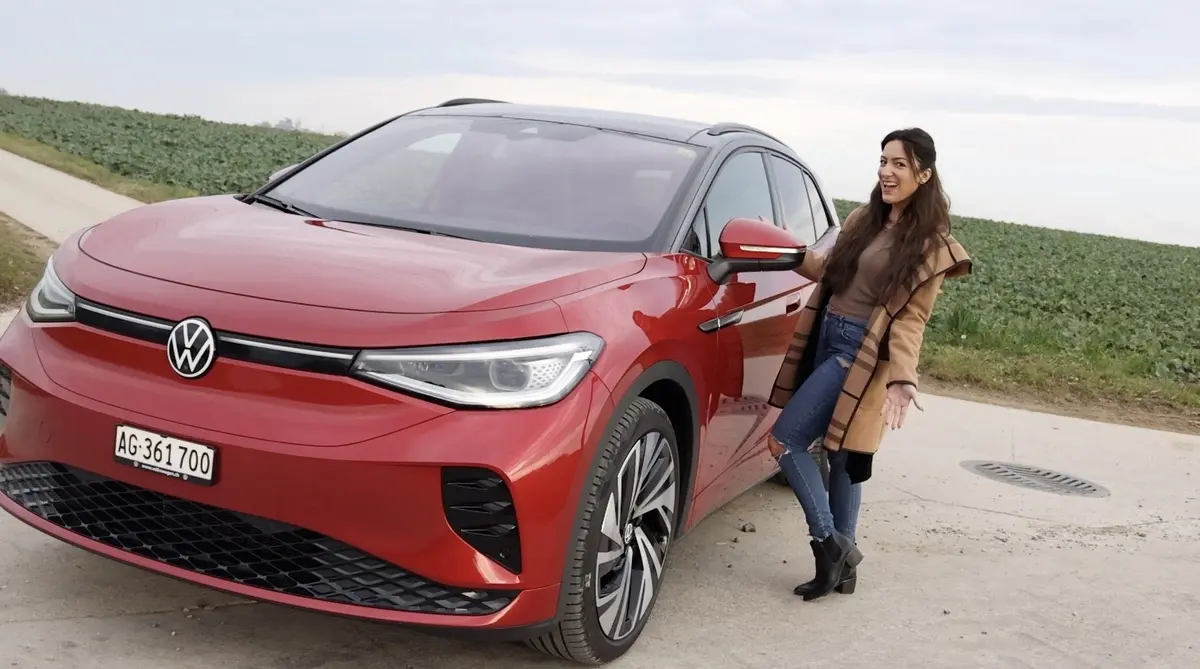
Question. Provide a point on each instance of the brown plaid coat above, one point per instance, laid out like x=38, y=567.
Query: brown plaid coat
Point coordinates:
x=888, y=355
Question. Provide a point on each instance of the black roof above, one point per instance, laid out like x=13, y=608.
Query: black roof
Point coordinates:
x=662, y=127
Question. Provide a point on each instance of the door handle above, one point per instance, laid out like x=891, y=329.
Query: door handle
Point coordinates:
x=732, y=318
x=793, y=303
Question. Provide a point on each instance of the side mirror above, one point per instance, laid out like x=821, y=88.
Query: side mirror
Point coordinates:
x=278, y=173
x=750, y=245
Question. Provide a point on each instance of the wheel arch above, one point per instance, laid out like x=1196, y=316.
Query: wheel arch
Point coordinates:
x=682, y=408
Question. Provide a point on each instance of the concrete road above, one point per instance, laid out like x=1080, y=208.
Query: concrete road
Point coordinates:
x=53, y=203
x=961, y=571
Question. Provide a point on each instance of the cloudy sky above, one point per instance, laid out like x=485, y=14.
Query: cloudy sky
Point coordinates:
x=1080, y=114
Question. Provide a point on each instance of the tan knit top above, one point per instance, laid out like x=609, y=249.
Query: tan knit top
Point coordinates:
x=859, y=299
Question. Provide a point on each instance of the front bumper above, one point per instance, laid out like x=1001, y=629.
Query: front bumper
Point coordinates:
x=460, y=521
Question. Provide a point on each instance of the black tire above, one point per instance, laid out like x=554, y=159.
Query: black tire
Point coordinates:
x=580, y=634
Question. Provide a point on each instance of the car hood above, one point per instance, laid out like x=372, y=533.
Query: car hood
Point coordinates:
x=221, y=244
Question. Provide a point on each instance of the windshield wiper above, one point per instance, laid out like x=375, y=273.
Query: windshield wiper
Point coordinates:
x=407, y=228
x=293, y=209
x=278, y=204
x=425, y=231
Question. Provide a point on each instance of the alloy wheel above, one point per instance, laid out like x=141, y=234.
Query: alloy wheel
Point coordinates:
x=638, y=525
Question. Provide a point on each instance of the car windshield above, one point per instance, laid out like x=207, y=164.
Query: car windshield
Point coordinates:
x=510, y=181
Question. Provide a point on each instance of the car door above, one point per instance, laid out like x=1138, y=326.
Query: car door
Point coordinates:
x=808, y=215
x=755, y=314
x=800, y=210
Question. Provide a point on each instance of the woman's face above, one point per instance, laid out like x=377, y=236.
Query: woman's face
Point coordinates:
x=897, y=174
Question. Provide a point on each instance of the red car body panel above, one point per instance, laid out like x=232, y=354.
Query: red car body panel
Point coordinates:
x=429, y=289
x=733, y=372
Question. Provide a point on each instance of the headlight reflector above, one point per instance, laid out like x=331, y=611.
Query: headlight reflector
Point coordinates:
x=494, y=375
x=51, y=301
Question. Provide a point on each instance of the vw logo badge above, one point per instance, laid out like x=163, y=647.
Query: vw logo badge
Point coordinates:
x=191, y=348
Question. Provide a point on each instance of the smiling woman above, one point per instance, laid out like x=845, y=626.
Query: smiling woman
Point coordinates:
x=23, y=255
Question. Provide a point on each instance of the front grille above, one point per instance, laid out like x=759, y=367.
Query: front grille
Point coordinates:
x=259, y=350
x=479, y=506
x=230, y=546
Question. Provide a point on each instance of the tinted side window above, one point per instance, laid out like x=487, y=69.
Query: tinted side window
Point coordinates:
x=740, y=190
x=820, y=218
x=797, y=212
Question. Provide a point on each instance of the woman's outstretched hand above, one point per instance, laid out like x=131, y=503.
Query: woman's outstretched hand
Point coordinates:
x=895, y=407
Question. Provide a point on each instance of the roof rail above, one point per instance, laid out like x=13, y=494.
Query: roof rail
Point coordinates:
x=726, y=128
x=457, y=102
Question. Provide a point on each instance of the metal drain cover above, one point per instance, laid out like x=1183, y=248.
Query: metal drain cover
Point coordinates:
x=1035, y=478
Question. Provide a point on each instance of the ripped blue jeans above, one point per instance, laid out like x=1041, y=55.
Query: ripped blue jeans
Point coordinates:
x=806, y=417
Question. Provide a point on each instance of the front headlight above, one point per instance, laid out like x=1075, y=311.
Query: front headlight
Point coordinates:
x=51, y=301
x=499, y=375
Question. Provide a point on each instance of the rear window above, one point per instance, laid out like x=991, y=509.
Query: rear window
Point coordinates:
x=504, y=180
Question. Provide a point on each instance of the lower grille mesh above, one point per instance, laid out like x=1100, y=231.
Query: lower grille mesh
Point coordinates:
x=230, y=546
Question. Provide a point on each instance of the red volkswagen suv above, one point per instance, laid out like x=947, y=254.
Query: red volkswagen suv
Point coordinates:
x=475, y=368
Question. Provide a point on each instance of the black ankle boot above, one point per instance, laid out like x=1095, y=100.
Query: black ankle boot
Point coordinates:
x=846, y=584
x=834, y=554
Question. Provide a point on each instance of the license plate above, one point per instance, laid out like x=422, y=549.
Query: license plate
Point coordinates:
x=184, y=460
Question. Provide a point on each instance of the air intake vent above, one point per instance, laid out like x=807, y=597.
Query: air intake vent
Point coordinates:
x=479, y=506
x=5, y=393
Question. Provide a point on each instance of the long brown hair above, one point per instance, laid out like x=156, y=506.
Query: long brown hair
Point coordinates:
x=926, y=216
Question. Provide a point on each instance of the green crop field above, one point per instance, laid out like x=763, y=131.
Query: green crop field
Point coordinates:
x=184, y=152
x=1059, y=316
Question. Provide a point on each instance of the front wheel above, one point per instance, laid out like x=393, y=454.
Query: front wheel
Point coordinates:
x=621, y=544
